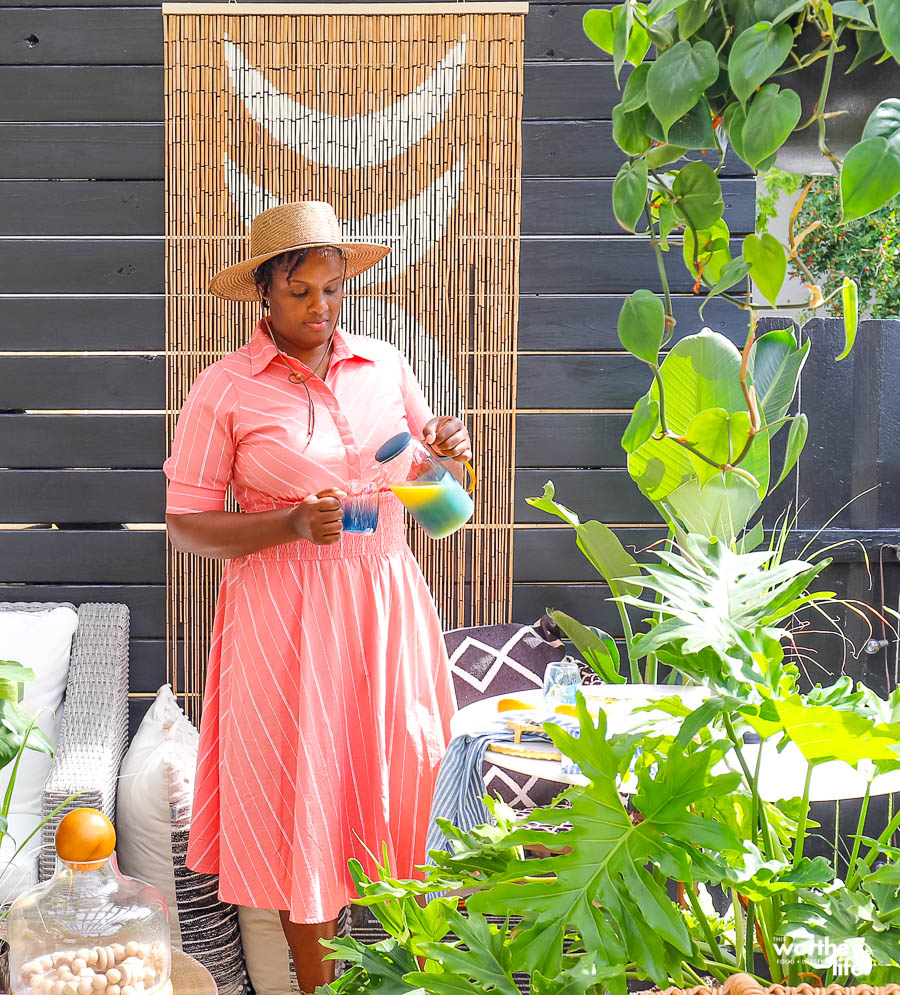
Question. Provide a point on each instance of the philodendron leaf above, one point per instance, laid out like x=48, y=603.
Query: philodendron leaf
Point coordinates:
x=768, y=264
x=772, y=116
x=546, y=502
x=850, y=298
x=600, y=26
x=662, y=155
x=733, y=120
x=597, y=647
x=629, y=193
x=678, y=78
x=693, y=130
x=775, y=365
x=884, y=122
x=659, y=7
x=853, y=10
x=643, y=423
x=711, y=248
x=719, y=436
x=642, y=325
x=629, y=132
x=731, y=273
x=692, y=15
x=823, y=733
x=635, y=93
x=698, y=195
x=887, y=13
x=755, y=55
x=796, y=441
x=870, y=177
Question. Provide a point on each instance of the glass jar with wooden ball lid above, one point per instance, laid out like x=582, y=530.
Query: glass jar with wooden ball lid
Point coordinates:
x=89, y=930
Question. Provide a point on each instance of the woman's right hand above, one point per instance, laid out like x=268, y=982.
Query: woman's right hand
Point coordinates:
x=319, y=517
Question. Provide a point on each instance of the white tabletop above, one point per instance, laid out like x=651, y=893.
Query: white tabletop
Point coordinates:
x=782, y=774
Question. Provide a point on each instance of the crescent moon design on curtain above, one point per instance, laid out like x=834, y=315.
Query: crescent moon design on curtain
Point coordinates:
x=365, y=140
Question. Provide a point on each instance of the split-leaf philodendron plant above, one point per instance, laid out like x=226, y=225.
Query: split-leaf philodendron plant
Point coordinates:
x=701, y=870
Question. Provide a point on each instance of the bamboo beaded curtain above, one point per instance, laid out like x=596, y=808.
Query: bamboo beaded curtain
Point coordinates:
x=407, y=119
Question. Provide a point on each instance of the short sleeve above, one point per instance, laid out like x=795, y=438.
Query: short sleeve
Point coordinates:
x=418, y=410
x=202, y=460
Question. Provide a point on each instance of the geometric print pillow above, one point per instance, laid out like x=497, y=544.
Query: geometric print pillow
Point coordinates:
x=491, y=660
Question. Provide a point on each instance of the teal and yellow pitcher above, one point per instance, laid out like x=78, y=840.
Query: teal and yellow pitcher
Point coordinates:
x=425, y=485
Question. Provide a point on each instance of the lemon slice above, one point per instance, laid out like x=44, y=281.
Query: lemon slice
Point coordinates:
x=512, y=705
x=566, y=710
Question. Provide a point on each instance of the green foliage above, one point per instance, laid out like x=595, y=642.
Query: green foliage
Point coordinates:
x=866, y=251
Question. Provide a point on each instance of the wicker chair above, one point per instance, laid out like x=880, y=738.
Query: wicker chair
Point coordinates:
x=94, y=732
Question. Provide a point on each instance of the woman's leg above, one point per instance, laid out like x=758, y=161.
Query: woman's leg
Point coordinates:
x=303, y=939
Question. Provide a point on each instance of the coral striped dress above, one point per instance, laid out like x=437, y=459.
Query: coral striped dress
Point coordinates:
x=328, y=696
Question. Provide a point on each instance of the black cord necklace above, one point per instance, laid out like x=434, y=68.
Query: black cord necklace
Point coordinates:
x=295, y=377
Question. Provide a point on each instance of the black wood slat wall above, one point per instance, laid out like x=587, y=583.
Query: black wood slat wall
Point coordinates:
x=81, y=271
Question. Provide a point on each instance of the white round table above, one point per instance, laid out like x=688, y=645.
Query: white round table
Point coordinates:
x=782, y=774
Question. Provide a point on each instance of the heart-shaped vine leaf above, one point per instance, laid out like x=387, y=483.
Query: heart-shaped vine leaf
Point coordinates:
x=678, y=78
x=756, y=54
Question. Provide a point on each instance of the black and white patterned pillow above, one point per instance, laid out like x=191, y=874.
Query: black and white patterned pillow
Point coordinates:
x=491, y=660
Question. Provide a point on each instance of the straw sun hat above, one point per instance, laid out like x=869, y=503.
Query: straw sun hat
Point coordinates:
x=303, y=224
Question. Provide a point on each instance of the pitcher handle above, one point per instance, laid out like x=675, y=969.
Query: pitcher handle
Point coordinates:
x=473, y=480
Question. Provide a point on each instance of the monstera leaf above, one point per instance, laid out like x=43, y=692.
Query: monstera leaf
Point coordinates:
x=601, y=885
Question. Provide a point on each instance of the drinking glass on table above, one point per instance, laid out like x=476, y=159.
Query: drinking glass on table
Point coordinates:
x=562, y=680
x=360, y=507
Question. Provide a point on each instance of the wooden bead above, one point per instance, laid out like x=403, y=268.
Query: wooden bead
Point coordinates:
x=79, y=964
x=46, y=962
x=84, y=954
x=92, y=956
x=119, y=951
x=113, y=990
x=99, y=982
x=113, y=975
x=58, y=988
x=131, y=949
x=129, y=990
x=85, y=987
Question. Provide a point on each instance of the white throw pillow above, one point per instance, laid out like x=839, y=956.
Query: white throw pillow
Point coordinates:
x=41, y=640
x=153, y=818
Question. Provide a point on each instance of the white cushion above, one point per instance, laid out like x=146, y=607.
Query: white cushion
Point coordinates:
x=41, y=640
x=163, y=751
x=153, y=817
x=266, y=951
x=21, y=873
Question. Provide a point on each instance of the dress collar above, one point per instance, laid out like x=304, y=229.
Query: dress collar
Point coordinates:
x=262, y=349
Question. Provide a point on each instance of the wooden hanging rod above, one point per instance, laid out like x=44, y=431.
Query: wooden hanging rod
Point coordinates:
x=458, y=7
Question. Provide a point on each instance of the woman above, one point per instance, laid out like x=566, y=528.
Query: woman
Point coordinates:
x=328, y=697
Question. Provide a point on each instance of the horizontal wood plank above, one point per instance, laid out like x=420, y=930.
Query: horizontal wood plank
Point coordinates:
x=86, y=36
x=90, y=556
x=81, y=266
x=78, y=207
x=584, y=207
x=548, y=556
x=589, y=603
x=136, y=151
x=81, y=93
x=570, y=91
x=59, y=324
x=554, y=32
x=585, y=148
x=146, y=665
x=560, y=92
x=605, y=381
x=561, y=323
x=62, y=383
x=589, y=441
x=37, y=442
x=82, y=496
x=610, y=496
x=82, y=151
x=146, y=602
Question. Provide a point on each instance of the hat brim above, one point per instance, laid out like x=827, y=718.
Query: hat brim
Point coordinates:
x=236, y=283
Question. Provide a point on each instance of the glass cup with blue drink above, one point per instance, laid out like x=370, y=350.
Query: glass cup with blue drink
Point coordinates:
x=360, y=507
x=562, y=681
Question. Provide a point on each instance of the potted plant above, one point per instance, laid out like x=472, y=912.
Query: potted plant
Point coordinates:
x=18, y=732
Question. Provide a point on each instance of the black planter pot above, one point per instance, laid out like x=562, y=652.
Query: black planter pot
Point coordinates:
x=856, y=95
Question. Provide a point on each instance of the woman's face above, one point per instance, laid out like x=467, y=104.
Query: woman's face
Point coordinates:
x=305, y=308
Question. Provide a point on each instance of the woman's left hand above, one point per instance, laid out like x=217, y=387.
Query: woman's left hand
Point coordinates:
x=448, y=438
